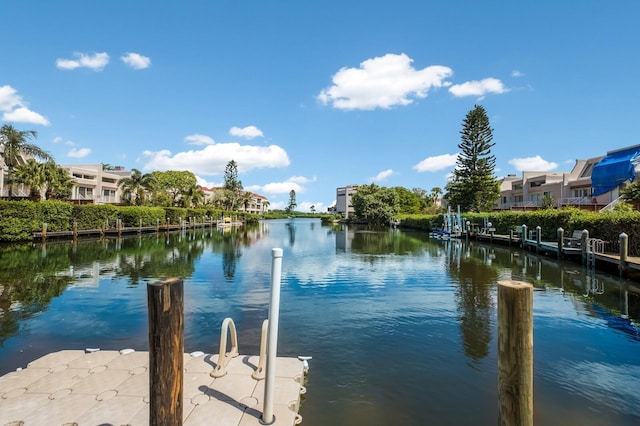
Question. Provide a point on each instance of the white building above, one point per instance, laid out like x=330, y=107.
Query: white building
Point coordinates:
x=343, y=200
x=95, y=185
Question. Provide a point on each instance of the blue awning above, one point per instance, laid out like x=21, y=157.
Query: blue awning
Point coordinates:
x=614, y=169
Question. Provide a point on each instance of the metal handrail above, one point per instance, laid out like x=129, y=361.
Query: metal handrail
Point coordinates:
x=224, y=357
x=259, y=373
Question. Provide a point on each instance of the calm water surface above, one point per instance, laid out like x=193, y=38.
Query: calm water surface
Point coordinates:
x=402, y=329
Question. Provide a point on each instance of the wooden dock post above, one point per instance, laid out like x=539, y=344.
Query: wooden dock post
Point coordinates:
x=44, y=232
x=166, y=349
x=560, y=233
x=624, y=252
x=584, y=244
x=515, y=353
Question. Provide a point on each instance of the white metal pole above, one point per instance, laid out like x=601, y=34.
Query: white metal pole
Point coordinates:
x=272, y=337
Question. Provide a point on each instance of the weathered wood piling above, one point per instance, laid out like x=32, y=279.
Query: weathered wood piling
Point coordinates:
x=515, y=353
x=166, y=347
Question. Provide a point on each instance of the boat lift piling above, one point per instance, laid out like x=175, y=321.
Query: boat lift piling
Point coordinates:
x=272, y=337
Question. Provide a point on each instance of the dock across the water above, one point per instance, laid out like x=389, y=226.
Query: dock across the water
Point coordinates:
x=577, y=246
x=117, y=229
x=76, y=387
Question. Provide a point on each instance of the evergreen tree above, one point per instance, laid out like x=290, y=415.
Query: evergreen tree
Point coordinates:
x=232, y=185
x=473, y=186
x=292, y=201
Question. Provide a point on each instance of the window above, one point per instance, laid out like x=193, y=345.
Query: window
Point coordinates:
x=536, y=198
x=108, y=194
x=582, y=192
x=85, y=193
x=587, y=170
x=83, y=176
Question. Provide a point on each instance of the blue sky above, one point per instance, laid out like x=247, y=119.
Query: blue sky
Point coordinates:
x=313, y=95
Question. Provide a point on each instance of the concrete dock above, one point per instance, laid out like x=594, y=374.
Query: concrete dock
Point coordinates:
x=76, y=387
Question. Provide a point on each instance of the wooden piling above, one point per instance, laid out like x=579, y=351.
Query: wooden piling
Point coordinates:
x=515, y=353
x=166, y=348
x=560, y=236
x=624, y=252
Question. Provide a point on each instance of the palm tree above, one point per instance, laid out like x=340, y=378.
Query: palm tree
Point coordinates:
x=436, y=191
x=58, y=181
x=247, y=197
x=31, y=174
x=194, y=196
x=15, y=145
x=136, y=185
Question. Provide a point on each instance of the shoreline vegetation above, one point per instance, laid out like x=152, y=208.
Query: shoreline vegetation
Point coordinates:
x=21, y=219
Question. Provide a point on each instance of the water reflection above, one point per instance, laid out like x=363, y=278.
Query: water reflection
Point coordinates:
x=615, y=300
x=401, y=327
x=475, y=279
x=30, y=277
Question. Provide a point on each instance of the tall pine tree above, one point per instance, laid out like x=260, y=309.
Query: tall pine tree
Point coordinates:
x=474, y=186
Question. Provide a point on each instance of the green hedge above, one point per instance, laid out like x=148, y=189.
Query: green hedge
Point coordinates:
x=20, y=219
x=94, y=216
x=606, y=226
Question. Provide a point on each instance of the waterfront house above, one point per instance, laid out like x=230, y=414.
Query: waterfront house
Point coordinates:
x=95, y=185
x=257, y=204
x=592, y=184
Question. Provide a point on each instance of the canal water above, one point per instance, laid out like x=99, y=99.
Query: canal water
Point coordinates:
x=402, y=329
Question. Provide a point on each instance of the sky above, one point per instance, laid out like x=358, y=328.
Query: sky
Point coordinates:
x=314, y=95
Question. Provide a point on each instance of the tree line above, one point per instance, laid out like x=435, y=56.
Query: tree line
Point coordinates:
x=472, y=186
x=48, y=180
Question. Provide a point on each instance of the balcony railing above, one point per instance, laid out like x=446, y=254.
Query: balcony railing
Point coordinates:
x=576, y=201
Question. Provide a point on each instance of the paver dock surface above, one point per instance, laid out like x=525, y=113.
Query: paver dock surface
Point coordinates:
x=75, y=387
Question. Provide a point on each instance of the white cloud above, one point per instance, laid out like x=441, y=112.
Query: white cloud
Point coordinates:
x=79, y=153
x=305, y=206
x=381, y=176
x=208, y=184
x=15, y=109
x=301, y=179
x=25, y=115
x=198, y=139
x=282, y=188
x=293, y=183
x=212, y=159
x=136, y=60
x=248, y=132
x=96, y=62
x=9, y=98
x=516, y=73
x=533, y=164
x=478, y=88
x=57, y=139
x=382, y=82
x=436, y=163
